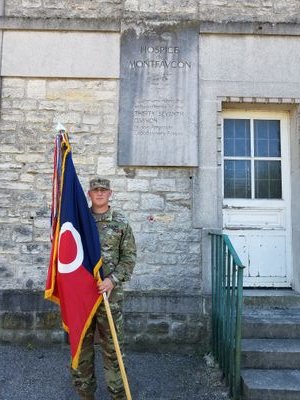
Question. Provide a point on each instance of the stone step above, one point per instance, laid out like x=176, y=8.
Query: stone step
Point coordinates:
x=271, y=298
x=271, y=353
x=261, y=384
x=271, y=345
x=266, y=323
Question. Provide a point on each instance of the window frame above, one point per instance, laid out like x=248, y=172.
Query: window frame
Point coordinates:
x=283, y=117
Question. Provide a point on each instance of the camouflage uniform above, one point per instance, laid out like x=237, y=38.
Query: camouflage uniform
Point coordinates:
x=119, y=253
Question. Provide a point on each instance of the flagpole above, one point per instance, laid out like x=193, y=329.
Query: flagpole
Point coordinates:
x=117, y=347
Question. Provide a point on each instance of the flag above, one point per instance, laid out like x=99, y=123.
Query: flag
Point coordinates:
x=75, y=258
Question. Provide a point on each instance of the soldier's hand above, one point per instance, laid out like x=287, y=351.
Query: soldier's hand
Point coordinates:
x=105, y=286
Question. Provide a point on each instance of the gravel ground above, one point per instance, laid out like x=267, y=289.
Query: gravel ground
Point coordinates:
x=43, y=374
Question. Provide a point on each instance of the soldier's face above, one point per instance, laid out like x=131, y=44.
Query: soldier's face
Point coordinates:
x=99, y=197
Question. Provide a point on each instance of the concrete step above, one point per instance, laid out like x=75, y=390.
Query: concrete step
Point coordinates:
x=271, y=345
x=266, y=323
x=271, y=298
x=271, y=353
x=260, y=384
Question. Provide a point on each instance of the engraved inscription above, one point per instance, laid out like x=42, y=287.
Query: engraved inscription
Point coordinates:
x=158, y=123
x=154, y=117
x=160, y=52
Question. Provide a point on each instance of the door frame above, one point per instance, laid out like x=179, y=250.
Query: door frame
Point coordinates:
x=261, y=204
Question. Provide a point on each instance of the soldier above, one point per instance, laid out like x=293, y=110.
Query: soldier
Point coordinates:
x=119, y=254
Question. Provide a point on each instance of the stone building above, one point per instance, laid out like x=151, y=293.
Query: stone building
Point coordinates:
x=197, y=130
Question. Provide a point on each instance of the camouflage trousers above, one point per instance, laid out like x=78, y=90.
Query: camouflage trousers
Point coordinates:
x=83, y=378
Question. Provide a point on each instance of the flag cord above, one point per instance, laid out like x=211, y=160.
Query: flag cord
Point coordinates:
x=117, y=347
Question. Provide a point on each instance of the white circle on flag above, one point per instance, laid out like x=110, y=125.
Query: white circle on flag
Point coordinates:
x=77, y=261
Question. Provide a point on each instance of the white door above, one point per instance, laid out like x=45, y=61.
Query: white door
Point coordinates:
x=256, y=194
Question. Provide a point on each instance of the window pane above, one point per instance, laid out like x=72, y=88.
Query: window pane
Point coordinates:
x=236, y=137
x=237, y=179
x=267, y=138
x=268, y=180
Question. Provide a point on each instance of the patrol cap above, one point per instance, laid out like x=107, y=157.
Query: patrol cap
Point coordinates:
x=98, y=182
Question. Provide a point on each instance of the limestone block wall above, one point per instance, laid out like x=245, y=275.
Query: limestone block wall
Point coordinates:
x=157, y=201
x=203, y=10
x=219, y=10
x=26, y=318
x=64, y=8
x=166, y=321
x=165, y=301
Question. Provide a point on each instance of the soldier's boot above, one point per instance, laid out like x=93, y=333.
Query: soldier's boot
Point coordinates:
x=86, y=396
x=119, y=395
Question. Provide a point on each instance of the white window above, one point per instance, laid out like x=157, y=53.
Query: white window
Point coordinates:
x=252, y=158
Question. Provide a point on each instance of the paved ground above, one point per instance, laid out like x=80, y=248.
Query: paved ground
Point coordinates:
x=43, y=374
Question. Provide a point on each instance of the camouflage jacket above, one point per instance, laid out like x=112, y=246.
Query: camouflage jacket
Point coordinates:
x=117, y=245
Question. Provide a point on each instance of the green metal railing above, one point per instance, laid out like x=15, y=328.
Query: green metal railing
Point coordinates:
x=227, y=300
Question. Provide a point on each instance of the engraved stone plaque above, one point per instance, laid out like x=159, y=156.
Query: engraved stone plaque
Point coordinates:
x=158, y=116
